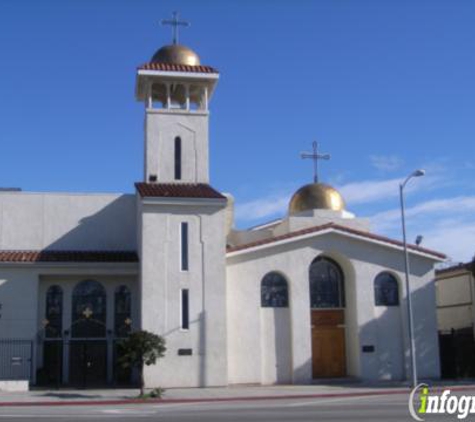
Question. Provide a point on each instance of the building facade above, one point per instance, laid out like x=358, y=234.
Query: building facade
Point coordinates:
x=314, y=295
x=455, y=293
x=455, y=298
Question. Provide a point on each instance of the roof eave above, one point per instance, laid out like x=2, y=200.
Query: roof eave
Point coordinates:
x=412, y=249
x=157, y=200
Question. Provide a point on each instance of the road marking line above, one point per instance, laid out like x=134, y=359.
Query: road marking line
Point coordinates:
x=329, y=401
x=89, y=416
x=128, y=411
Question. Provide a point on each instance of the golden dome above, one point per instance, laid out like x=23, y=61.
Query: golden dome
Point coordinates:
x=316, y=196
x=176, y=54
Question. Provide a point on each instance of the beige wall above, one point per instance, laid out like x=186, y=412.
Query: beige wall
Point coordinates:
x=455, y=298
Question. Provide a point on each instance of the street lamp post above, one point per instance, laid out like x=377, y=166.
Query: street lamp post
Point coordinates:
x=416, y=173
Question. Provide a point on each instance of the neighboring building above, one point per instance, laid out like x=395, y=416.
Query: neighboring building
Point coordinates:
x=455, y=292
x=314, y=295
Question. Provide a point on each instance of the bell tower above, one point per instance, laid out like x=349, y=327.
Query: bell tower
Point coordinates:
x=181, y=234
x=176, y=90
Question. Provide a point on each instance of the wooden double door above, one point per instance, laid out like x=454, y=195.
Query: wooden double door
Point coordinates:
x=328, y=343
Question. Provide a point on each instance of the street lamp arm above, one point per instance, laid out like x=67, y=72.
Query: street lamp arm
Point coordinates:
x=416, y=173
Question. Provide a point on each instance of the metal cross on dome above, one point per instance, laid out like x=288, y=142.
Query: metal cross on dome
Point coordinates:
x=315, y=156
x=175, y=23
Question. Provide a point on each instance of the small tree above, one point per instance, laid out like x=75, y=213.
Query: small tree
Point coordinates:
x=472, y=266
x=141, y=348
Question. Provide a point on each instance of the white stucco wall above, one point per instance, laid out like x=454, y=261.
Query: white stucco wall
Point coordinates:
x=67, y=221
x=19, y=299
x=162, y=281
x=365, y=324
x=276, y=346
x=161, y=129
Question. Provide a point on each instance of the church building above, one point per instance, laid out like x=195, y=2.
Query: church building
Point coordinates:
x=314, y=295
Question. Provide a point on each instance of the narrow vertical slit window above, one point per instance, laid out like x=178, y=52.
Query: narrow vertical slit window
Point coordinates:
x=185, y=311
x=184, y=247
x=177, y=158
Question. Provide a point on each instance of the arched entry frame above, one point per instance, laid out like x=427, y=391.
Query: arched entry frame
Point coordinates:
x=113, y=326
x=347, y=317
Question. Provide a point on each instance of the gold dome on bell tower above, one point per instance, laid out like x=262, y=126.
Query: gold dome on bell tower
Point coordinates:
x=316, y=196
x=176, y=54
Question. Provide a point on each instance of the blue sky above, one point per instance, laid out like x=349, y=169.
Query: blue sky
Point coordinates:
x=384, y=86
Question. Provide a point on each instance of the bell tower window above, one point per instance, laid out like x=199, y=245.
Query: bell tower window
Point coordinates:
x=177, y=158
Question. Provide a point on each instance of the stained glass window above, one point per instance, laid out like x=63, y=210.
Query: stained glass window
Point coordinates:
x=122, y=316
x=89, y=310
x=386, y=290
x=326, y=284
x=54, y=312
x=274, y=291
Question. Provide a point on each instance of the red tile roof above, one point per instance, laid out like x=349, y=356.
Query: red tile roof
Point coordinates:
x=169, y=67
x=335, y=227
x=68, y=256
x=178, y=190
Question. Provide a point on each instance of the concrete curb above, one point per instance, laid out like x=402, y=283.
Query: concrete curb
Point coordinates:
x=166, y=401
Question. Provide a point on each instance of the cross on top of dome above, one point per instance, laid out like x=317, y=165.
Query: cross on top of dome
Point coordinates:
x=175, y=23
x=315, y=156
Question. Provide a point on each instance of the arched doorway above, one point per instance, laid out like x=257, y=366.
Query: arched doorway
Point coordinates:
x=327, y=304
x=88, y=344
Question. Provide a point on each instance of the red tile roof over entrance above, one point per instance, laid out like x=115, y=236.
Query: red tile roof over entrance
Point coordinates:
x=177, y=190
x=68, y=256
x=169, y=67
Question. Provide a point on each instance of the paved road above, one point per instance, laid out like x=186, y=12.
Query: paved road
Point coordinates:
x=376, y=408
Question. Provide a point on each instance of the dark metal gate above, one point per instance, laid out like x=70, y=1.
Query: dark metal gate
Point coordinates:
x=16, y=359
x=457, y=353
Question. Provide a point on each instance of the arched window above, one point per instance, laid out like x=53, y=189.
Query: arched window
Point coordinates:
x=386, y=290
x=327, y=289
x=89, y=310
x=274, y=291
x=122, y=305
x=54, y=312
x=177, y=158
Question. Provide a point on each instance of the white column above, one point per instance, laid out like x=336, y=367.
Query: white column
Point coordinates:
x=149, y=103
x=187, y=93
x=169, y=101
x=206, y=97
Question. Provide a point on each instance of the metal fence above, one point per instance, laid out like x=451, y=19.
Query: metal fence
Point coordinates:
x=15, y=359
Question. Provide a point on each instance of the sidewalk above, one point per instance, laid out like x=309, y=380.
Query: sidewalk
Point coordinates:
x=42, y=397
